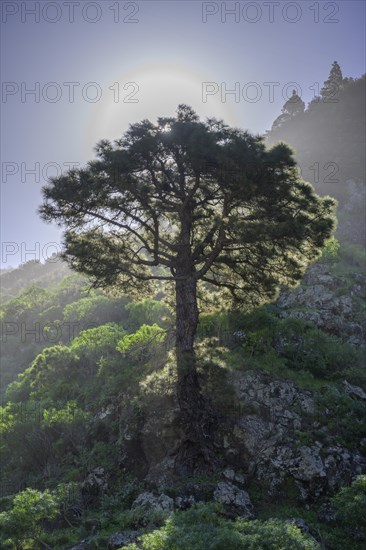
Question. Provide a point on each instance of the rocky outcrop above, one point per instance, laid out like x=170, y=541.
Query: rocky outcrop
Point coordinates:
x=354, y=391
x=235, y=500
x=94, y=485
x=274, y=437
x=266, y=443
x=148, y=501
x=324, y=299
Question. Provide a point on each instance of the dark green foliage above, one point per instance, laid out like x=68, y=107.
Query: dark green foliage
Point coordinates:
x=254, y=223
x=50, y=423
x=344, y=416
x=350, y=506
x=148, y=312
x=22, y=526
x=294, y=344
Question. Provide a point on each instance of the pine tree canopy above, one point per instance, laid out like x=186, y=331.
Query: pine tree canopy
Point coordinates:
x=333, y=84
x=199, y=199
x=294, y=105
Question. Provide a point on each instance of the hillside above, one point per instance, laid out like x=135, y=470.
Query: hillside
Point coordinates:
x=93, y=417
x=91, y=422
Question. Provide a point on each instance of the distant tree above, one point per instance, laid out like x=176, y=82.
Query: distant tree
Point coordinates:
x=332, y=86
x=293, y=106
x=209, y=204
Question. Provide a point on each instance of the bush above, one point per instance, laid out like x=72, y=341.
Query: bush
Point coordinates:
x=23, y=523
x=345, y=417
x=148, y=312
x=203, y=527
x=330, y=252
x=350, y=504
x=304, y=347
x=143, y=345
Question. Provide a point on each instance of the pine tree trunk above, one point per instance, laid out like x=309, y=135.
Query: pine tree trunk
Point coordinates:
x=196, y=451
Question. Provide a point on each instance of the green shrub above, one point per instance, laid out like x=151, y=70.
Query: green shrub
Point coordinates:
x=305, y=348
x=22, y=525
x=143, y=344
x=350, y=504
x=330, y=252
x=148, y=312
x=203, y=527
x=345, y=417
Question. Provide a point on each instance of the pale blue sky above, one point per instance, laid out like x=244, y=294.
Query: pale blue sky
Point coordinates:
x=166, y=56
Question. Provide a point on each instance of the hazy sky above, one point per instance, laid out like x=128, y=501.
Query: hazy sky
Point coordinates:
x=95, y=67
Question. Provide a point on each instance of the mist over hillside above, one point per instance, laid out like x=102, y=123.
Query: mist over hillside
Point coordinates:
x=329, y=139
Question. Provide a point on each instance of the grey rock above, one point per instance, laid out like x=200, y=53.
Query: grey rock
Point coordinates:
x=148, y=501
x=317, y=300
x=234, y=498
x=124, y=538
x=184, y=502
x=327, y=513
x=308, y=464
x=271, y=449
x=354, y=390
x=95, y=483
x=230, y=474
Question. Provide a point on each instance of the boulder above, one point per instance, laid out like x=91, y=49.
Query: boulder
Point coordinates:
x=354, y=391
x=235, y=500
x=95, y=483
x=148, y=501
x=317, y=299
x=268, y=446
x=184, y=502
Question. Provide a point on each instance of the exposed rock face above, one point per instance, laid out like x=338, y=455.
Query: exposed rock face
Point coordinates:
x=148, y=501
x=235, y=500
x=94, y=485
x=317, y=299
x=354, y=391
x=276, y=438
x=268, y=446
x=184, y=502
